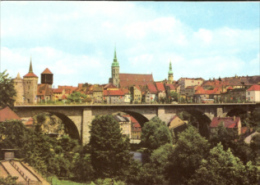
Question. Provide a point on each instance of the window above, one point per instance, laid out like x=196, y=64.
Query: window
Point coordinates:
x=248, y=93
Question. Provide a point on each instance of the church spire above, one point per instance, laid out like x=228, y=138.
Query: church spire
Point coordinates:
x=115, y=62
x=30, y=69
x=115, y=59
x=170, y=68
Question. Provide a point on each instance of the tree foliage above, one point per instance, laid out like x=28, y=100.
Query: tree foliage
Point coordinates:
x=153, y=172
x=76, y=97
x=9, y=180
x=222, y=168
x=230, y=140
x=7, y=91
x=44, y=153
x=155, y=133
x=190, y=149
x=110, y=155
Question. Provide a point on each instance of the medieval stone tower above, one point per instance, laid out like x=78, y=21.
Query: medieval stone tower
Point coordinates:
x=115, y=80
x=30, y=83
x=47, y=77
x=18, y=86
x=170, y=74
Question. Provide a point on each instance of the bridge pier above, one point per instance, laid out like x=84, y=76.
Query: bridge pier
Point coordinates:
x=85, y=126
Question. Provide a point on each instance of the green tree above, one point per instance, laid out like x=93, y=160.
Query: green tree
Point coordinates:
x=190, y=149
x=7, y=91
x=255, y=146
x=110, y=155
x=155, y=133
x=12, y=134
x=40, y=119
x=153, y=172
x=230, y=139
x=9, y=180
x=223, y=168
x=76, y=97
x=174, y=96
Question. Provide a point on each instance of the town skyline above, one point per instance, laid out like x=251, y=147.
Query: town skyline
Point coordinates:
x=76, y=40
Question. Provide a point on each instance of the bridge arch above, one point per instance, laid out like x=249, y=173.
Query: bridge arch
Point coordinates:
x=202, y=120
x=138, y=116
x=236, y=112
x=70, y=126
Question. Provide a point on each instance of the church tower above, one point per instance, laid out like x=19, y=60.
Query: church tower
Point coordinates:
x=170, y=74
x=30, y=83
x=115, y=72
x=18, y=86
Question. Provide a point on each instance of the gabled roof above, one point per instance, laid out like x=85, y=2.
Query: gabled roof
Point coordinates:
x=127, y=80
x=160, y=86
x=107, y=86
x=151, y=88
x=44, y=90
x=175, y=122
x=7, y=114
x=135, y=123
x=46, y=71
x=228, y=122
x=254, y=88
x=113, y=92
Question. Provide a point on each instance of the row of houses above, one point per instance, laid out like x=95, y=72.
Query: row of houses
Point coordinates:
x=215, y=90
x=108, y=93
x=139, y=88
x=223, y=91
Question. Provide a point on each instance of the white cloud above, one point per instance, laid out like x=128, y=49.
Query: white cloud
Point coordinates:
x=75, y=40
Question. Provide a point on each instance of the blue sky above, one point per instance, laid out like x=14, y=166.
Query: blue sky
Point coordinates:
x=76, y=40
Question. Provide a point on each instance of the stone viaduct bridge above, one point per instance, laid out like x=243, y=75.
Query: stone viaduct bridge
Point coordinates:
x=78, y=118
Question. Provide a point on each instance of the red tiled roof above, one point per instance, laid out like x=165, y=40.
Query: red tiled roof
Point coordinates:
x=113, y=93
x=127, y=80
x=230, y=88
x=254, y=88
x=30, y=75
x=47, y=71
x=57, y=90
x=68, y=89
x=7, y=114
x=171, y=86
x=229, y=122
x=133, y=120
x=152, y=89
x=44, y=90
x=126, y=91
x=109, y=86
x=29, y=122
x=201, y=90
x=135, y=123
x=160, y=86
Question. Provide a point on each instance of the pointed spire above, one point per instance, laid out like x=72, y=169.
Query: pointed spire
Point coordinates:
x=115, y=59
x=30, y=69
x=170, y=68
x=18, y=76
x=115, y=62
